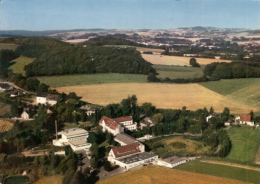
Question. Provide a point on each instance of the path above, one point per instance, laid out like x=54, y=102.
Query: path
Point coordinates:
x=231, y=164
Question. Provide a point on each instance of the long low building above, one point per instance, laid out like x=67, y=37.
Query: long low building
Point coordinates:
x=75, y=137
x=124, y=139
x=171, y=162
x=130, y=155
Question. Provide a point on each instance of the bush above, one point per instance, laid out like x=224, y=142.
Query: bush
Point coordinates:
x=107, y=166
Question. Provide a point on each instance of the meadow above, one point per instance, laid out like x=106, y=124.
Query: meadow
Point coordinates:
x=174, y=72
x=223, y=171
x=50, y=179
x=73, y=80
x=180, y=146
x=8, y=46
x=177, y=60
x=19, y=63
x=245, y=143
x=173, y=96
x=4, y=108
x=162, y=175
x=245, y=91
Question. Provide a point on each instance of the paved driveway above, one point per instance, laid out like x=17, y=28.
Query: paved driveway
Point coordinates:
x=105, y=174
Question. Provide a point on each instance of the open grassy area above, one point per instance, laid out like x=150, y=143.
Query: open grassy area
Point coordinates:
x=8, y=46
x=162, y=175
x=173, y=96
x=50, y=179
x=223, y=171
x=4, y=108
x=19, y=63
x=245, y=143
x=174, y=72
x=72, y=80
x=245, y=91
x=179, y=145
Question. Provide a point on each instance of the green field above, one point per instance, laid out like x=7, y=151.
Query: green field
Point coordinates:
x=19, y=63
x=221, y=171
x=73, y=80
x=244, y=142
x=174, y=72
x=245, y=91
x=8, y=46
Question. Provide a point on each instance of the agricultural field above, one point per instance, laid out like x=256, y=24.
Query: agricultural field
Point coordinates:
x=8, y=46
x=224, y=171
x=174, y=72
x=50, y=179
x=19, y=63
x=245, y=91
x=177, y=60
x=73, y=80
x=245, y=143
x=5, y=126
x=180, y=146
x=162, y=175
x=173, y=96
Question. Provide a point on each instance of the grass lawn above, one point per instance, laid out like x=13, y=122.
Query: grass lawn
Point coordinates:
x=73, y=80
x=8, y=46
x=4, y=108
x=162, y=175
x=245, y=91
x=19, y=63
x=50, y=179
x=224, y=171
x=174, y=72
x=245, y=143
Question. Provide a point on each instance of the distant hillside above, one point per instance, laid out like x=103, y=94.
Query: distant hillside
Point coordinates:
x=54, y=57
x=109, y=40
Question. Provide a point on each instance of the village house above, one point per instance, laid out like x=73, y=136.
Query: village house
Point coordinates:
x=215, y=115
x=75, y=137
x=5, y=87
x=173, y=161
x=130, y=156
x=245, y=119
x=17, y=93
x=25, y=114
x=117, y=125
x=90, y=109
x=47, y=99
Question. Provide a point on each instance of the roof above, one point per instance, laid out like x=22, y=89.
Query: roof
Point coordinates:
x=53, y=97
x=137, y=157
x=173, y=159
x=121, y=119
x=5, y=85
x=126, y=150
x=90, y=107
x=79, y=142
x=109, y=122
x=245, y=117
x=73, y=132
x=127, y=139
x=42, y=94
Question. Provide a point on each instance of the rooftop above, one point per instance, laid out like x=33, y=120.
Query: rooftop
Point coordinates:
x=126, y=150
x=79, y=142
x=173, y=159
x=136, y=157
x=73, y=132
x=127, y=139
x=121, y=119
x=53, y=97
x=245, y=117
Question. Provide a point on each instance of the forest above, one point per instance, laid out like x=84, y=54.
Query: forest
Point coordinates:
x=54, y=57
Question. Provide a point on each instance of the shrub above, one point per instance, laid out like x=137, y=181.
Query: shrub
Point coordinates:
x=178, y=145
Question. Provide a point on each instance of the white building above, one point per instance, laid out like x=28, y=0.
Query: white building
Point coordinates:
x=50, y=99
x=212, y=115
x=117, y=125
x=90, y=109
x=130, y=155
x=171, y=161
x=75, y=137
x=245, y=119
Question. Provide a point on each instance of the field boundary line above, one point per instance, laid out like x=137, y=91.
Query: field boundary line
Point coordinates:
x=231, y=164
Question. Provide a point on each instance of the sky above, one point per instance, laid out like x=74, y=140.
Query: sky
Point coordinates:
x=39, y=15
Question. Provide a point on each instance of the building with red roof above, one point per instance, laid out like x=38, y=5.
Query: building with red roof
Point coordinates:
x=245, y=119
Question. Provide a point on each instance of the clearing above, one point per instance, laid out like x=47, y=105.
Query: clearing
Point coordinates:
x=162, y=175
x=4, y=108
x=5, y=126
x=19, y=63
x=174, y=72
x=73, y=80
x=50, y=179
x=223, y=171
x=245, y=91
x=173, y=96
x=8, y=46
x=245, y=143
x=180, y=146
x=178, y=60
